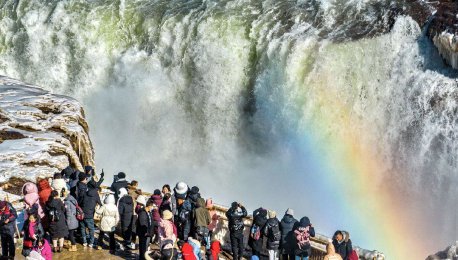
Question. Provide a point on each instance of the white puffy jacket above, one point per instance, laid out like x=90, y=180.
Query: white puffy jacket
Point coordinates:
x=109, y=215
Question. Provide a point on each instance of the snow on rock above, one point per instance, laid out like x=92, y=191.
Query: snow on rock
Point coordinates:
x=451, y=253
x=40, y=133
x=443, y=30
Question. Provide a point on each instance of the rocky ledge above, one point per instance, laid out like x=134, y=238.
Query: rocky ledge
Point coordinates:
x=451, y=253
x=443, y=31
x=40, y=133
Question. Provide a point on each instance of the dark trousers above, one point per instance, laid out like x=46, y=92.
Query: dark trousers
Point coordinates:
x=126, y=233
x=143, y=246
x=237, y=245
x=288, y=257
x=71, y=236
x=112, y=239
x=134, y=229
x=8, y=248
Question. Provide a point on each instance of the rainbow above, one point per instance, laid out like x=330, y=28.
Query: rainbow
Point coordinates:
x=379, y=221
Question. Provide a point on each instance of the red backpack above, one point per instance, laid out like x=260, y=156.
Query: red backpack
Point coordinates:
x=79, y=212
x=353, y=255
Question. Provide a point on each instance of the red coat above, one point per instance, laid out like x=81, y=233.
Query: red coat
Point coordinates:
x=44, y=191
x=215, y=249
x=188, y=252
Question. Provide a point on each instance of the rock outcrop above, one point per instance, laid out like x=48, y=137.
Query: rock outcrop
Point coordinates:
x=451, y=253
x=40, y=133
x=443, y=31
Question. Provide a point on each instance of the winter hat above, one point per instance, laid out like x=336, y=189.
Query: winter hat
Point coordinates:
x=88, y=169
x=141, y=200
x=157, y=192
x=121, y=175
x=209, y=203
x=194, y=190
x=181, y=188
x=3, y=204
x=290, y=212
x=110, y=199
x=167, y=215
x=234, y=205
x=272, y=214
x=122, y=192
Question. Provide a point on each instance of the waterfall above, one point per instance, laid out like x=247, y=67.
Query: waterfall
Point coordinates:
x=248, y=99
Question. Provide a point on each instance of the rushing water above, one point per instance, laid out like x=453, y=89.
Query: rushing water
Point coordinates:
x=245, y=98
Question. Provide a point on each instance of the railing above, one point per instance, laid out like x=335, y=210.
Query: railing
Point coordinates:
x=318, y=242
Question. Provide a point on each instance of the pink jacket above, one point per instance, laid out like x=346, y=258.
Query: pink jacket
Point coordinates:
x=166, y=233
x=31, y=197
x=45, y=250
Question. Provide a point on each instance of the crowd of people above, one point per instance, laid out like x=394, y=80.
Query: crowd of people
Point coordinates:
x=179, y=222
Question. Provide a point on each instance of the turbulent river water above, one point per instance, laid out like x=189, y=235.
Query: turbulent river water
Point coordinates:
x=259, y=102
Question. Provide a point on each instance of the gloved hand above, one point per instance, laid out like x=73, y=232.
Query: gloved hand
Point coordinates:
x=102, y=174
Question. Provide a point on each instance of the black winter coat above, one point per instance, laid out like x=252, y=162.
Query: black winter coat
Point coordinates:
x=303, y=223
x=116, y=186
x=89, y=202
x=126, y=211
x=235, y=217
x=272, y=232
x=145, y=224
x=57, y=229
x=343, y=249
x=260, y=219
x=10, y=215
x=287, y=225
x=79, y=191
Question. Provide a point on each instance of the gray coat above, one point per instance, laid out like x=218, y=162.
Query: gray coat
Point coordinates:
x=70, y=212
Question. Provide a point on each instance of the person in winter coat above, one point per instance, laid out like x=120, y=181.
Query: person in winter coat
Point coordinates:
x=57, y=223
x=331, y=253
x=88, y=204
x=145, y=228
x=193, y=195
x=32, y=199
x=173, y=202
x=272, y=232
x=215, y=250
x=31, y=231
x=126, y=213
x=342, y=244
x=43, y=248
x=109, y=220
x=44, y=191
x=235, y=215
x=288, y=239
x=157, y=199
x=214, y=218
x=140, y=203
x=134, y=192
x=303, y=232
x=201, y=217
x=92, y=176
x=187, y=251
x=59, y=184
x=256, y=239
x=118, y=183
x=70, y=217
x=8, y=217
x=183, y=218
x=80, y=189
x=166, y=204
x=167, y=236
x=67, y=174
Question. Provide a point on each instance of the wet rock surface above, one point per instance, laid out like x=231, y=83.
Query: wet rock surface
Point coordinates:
x=40, y=133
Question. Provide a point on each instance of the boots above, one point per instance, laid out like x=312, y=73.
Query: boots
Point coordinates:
x=72, y=248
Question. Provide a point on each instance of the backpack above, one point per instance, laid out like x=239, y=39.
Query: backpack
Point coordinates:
x=275, y=234
x=79, y=212
x=353, y=255
x=303, y=237
x=255, y=232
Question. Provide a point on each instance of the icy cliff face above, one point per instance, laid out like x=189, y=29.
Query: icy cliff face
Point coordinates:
x=40, y=133
x=450, y=253
x=443, y=30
